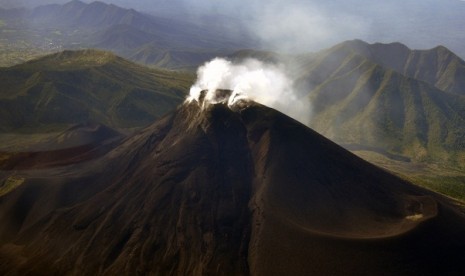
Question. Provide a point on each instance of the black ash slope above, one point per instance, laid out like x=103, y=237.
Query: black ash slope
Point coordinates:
x=221, y=191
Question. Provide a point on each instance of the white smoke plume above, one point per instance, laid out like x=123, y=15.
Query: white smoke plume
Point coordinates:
x=249, y=80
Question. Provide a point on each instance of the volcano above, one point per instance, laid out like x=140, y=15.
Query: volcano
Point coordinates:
x=212, y=189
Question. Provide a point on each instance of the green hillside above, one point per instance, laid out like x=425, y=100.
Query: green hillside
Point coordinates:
x=438, y=66
x=364, y=105
x=385, y=103
x=77, y=86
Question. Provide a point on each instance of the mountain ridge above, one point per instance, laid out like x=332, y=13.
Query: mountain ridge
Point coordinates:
x=77, y=25
x=358, y=101
x=437, y=66
x=89, y=85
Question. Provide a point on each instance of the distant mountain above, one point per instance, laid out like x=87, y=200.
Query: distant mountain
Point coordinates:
x=125, y=38
x=11, y=14
x=127, y=32
x=419, y=24
x=173, y=59
x=28, y=3
x=96, y=15
x=150, y=49
x=388, y=97
x=241, y=191
x=438, y=66
x=77, y=86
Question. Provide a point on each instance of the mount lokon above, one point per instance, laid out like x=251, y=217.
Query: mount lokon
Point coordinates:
x=399, y=108
x=235, y=190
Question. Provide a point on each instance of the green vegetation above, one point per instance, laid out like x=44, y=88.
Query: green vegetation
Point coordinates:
x=11, y=56
x=77, y=86
x=18, y=45
x=441, y=178
x=385, y=100
x=359, y=102
x=453, y=186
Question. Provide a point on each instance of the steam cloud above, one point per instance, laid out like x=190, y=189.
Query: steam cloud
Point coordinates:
x=249, y=80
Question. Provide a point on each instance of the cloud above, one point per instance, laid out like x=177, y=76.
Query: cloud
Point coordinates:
x=304, y=26
x=249, y=80
x=290, y=26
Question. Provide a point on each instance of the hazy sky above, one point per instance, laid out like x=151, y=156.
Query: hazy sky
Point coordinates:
x=307, y=25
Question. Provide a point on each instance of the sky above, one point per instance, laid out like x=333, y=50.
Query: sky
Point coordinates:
x=310, y=25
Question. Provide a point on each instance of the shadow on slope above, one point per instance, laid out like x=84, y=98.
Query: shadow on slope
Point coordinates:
x=221, y=191
x=77, y=144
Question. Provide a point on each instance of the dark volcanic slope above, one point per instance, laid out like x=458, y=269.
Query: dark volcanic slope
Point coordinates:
x=79, y=143
x=218, y=191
